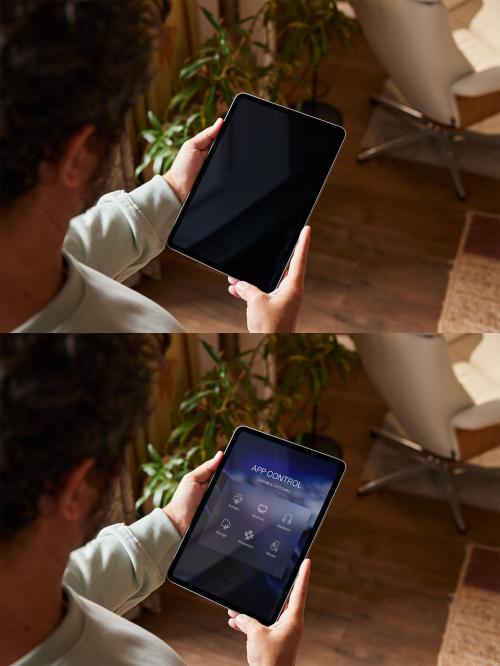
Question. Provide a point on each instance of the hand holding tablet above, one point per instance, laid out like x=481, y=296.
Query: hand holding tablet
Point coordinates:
x=256, y=523
x=277, y=644
x=278, y=311
x=256, y=191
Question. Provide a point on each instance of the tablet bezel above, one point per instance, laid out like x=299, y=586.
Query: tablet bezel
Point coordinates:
x=213, y=147
x=314, y=530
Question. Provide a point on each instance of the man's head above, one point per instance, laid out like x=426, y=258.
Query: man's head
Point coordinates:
x=70, y=404
x=70, y=71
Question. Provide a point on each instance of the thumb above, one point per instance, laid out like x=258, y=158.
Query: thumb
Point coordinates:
x=203, y=472
x=203, y=140
x=248, y=292
x=247, y=624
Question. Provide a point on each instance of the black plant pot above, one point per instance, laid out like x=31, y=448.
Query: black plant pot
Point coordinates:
x=322, y=110
x=318, y=109
x=322, y=444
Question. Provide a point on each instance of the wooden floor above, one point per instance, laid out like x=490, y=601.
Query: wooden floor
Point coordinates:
x=383, y=569
x=384, y=234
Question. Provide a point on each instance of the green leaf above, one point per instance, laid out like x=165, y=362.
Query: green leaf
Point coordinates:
x=190, y=70
x=141, y=167
x=140, y=502
x=209, y=106
x=151, y=135
x=149, y=469
x=183, y=431
x=154, y=122
x=194, y=400
x=209, y=439
x=211, y=18
x=157, y=498
x=211, y=352
x=154, y=455
x=185, y=95
x=158, y=165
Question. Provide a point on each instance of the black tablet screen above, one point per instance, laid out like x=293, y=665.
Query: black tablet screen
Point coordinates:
x=256, y=524
x=256, y=190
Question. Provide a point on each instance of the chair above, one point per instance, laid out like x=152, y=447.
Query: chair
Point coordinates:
x=443, y=59
x=438, y=421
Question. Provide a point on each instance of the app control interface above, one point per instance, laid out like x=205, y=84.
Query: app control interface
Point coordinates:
x=257, y=522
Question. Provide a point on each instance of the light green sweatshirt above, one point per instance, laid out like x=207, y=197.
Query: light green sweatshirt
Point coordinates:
x=103, y=580
x=103, y=247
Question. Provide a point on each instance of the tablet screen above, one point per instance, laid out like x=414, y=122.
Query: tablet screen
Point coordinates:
x=256, y=190
x=256, y=523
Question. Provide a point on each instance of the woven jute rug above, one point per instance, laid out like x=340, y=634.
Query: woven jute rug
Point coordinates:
x=472, y=635
x=472, y=301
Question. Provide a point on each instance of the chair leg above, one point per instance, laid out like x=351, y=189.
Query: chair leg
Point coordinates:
x=451, y=493
x=427, y=128
x=399, y=141
x=400, y=109
x=387, y=479
x=451, y=162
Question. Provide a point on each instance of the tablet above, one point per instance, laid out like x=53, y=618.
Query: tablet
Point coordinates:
x=256, y=190
x=256, y=523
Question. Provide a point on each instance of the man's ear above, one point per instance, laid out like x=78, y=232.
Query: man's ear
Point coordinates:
x=78, y=162
x=79, y=494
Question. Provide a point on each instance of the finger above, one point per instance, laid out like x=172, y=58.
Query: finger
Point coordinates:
x=232, y=290
x=203, y=473
x=231, y=613
x=232, y=624
x=247, y=624
x=297, y=269
x=248, y=292
x=203, y=140
x=232, y=280
x=297, y=601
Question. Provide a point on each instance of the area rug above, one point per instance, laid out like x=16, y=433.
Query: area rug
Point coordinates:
x=479, y=155
x=472, y=635
x=477, y=490
x=472, y=301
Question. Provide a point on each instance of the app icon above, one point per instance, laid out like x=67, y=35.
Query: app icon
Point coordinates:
x=238, y=498
x=274, y=546
x=262, y=508
x=249, y=535
x=287, y=519
x=225, y=524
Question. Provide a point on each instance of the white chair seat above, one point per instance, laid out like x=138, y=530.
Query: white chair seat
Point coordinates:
x=480, y=54
x=476, y=364
x=475, y=26
x=476, y=383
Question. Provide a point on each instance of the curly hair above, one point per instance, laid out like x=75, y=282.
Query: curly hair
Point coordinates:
x=65, y=398
x=65, y=64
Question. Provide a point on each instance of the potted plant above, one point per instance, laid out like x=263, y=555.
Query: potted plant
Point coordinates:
x=308, y=362
x=237, y=390
x=232, y=61
x=226, y=63
x=304, y=32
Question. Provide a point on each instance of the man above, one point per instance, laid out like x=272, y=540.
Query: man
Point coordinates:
x=70, y=404
x=71, y=70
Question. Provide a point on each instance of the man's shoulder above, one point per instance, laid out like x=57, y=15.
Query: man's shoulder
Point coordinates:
x=108, y=306
x=108, y=638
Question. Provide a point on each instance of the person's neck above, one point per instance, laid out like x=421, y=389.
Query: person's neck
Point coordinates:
x=32, y=599
x=31, y=266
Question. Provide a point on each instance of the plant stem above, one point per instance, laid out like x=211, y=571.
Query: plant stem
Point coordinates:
x=314, y=422
x=314, y=95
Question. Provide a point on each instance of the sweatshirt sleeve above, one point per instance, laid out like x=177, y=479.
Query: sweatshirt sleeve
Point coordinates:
x=124, y=230
x=124, y=564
